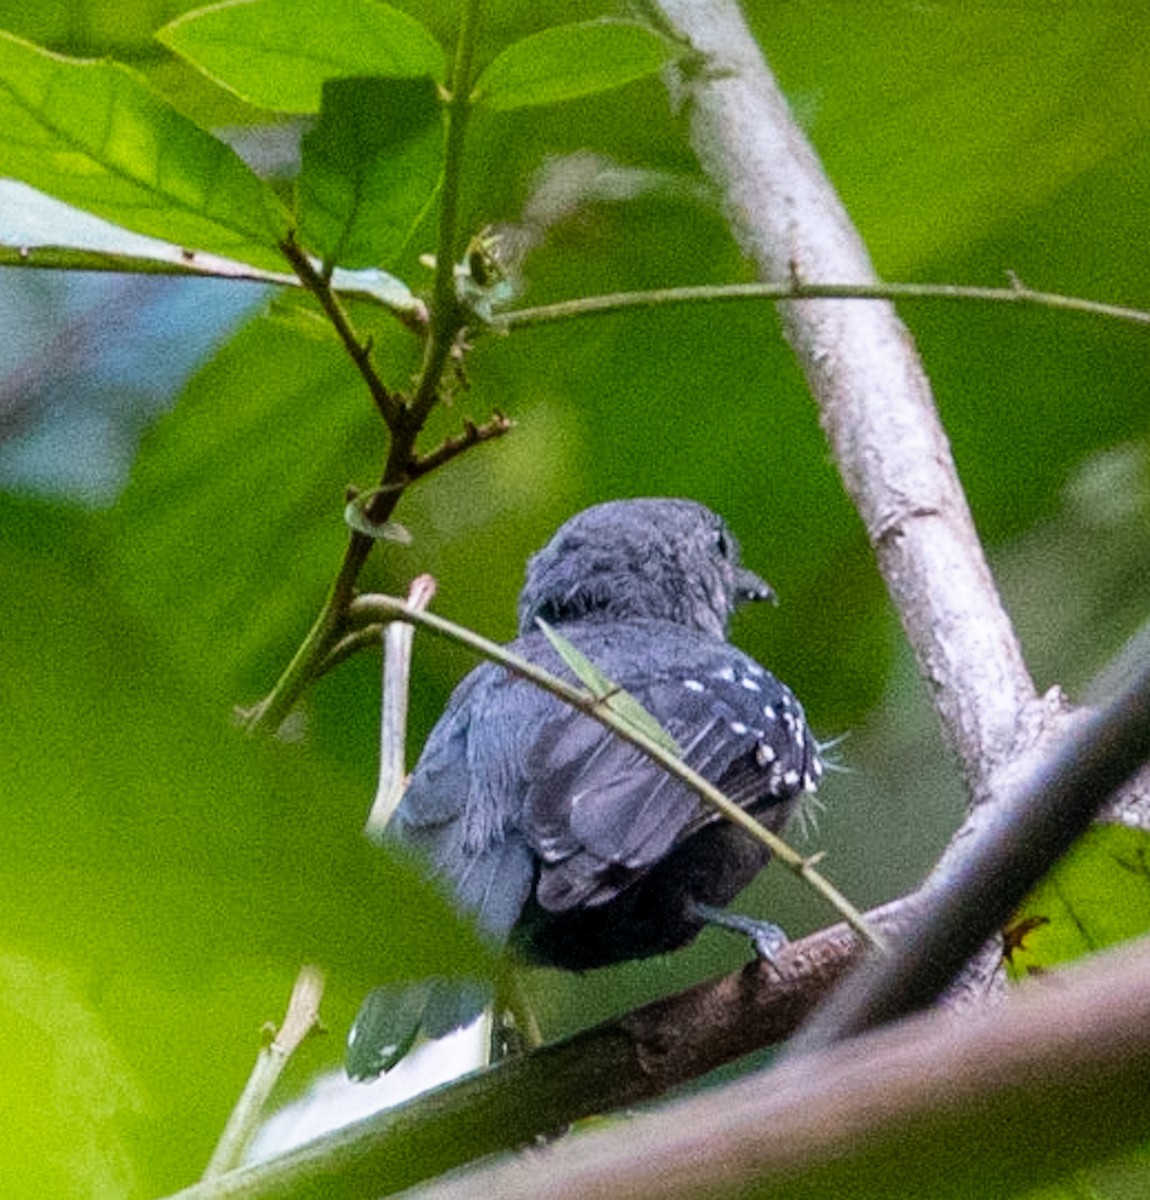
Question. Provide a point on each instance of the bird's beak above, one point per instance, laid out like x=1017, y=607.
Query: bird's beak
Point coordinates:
x=749, y=586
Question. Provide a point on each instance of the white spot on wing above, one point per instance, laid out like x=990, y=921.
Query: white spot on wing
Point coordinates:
x=693, y=685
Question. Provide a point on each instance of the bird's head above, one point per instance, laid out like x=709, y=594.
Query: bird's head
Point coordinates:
x=673, y=560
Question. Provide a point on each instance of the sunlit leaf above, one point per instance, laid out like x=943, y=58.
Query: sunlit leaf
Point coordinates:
x=164, y=877
x=96, y=135
x=37, y=231
x=278, y=53
x=71, y=1094
x=371, y=165
x=1097, y=896
x=569, y=61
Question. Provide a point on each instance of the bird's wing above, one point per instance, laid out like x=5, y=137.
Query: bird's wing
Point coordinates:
x=458, y=814
x=600, y=814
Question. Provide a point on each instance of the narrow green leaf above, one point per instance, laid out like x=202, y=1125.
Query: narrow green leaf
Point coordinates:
x=569, y=61
x=95, y=135
x=278, y=53
x=617, y=699
x=371, y=166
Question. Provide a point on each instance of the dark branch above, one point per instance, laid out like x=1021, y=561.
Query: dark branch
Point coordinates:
x=390, y=407
x=999, y=856
x=449, y=448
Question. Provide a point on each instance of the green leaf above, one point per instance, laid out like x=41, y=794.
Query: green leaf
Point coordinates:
x=617, y=699
x=569, y=61
x=371, y=167
x=71, y=1098
x=248, y=468
x=96, y=135
x=277, y=54
x=161, y=873
x=1097, y=896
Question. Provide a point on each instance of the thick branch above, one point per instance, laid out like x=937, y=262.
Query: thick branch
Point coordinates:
x=624, y=1061
x=990, y=868
x=1018, y=1094
x=872, y=393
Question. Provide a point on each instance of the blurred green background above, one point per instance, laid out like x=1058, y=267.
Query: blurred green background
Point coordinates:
x=173, y=459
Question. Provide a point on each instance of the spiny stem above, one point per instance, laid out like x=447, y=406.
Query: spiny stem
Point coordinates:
x=1016, y=293
x=472, y=435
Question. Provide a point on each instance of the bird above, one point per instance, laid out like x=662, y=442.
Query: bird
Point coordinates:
x=563, y=842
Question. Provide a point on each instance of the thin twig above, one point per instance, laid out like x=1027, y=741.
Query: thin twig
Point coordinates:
x=301, y=1019
x=386, y=608
x=450, y=447
x=397, y=640
x=615, y=302
x=359, y=351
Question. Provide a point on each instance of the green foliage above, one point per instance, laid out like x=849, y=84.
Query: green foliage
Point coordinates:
x=162, y=877
x=96, y=135
x=570, y=61
x=1098, y=896
x=278, y=54
x=370, y=167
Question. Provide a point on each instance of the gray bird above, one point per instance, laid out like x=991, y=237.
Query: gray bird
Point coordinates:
x=565, y=842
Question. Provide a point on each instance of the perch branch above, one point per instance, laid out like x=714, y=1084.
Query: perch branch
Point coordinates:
x=874, y=399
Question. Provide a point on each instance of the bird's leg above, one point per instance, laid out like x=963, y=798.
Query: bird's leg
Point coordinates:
x=767, y=938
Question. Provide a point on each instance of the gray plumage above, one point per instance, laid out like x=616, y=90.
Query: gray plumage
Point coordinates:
x=560, y=838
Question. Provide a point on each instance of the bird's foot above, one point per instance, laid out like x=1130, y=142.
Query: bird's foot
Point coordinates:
x=766, y=937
